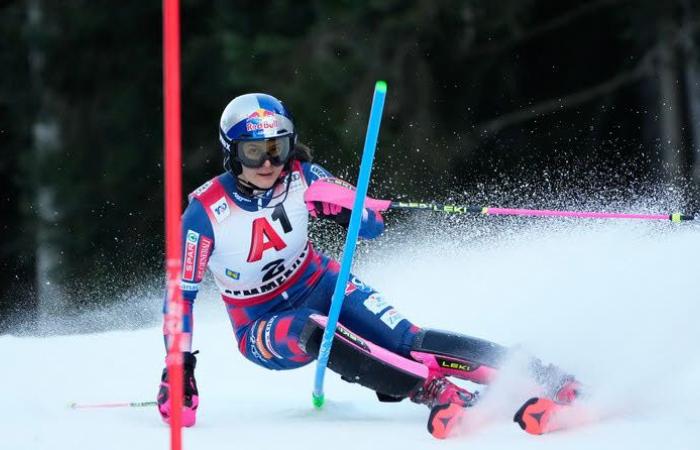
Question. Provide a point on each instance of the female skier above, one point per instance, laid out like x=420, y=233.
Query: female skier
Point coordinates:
x=249, y=227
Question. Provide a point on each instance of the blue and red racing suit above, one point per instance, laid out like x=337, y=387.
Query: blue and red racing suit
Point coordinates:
x=270, y=277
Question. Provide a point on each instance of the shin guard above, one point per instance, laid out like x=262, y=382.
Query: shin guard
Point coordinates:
x=358, y=360
x=457, y=355
x=478, y=360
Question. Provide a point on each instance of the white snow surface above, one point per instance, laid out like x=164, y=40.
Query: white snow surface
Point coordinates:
x=615, y=303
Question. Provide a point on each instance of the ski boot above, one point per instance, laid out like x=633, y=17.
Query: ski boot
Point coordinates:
x=447, y=403
x=558, y=385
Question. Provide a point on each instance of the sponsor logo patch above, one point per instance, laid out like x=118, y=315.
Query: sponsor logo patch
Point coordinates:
x=319, y=171
x=200, y=190
x=253, y=346
x=220, y=209
x=240, y=198
x=224, y=143
x=340, y=182
x=261, y=121
x=392, y=318
x=352, y=337
x=190, y=254
x=190, y=287
x=273, y=283
x=268, y=337
x=259, y=343
x=455, y=365
x=192, y=236
x=362, y=287
x=375, y=303
x=295, y=182
x=350, y=288
x=203, y=257
x=233, y=274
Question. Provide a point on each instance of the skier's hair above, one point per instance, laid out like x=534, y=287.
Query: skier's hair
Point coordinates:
x=301, y=153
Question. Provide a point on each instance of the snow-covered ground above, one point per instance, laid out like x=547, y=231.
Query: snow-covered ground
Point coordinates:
x=618, y=304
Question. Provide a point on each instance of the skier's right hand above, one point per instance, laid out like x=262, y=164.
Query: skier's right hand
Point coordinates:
x=191, y=395
x=329, y=210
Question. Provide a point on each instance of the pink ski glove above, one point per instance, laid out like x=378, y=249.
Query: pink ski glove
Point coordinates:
x=190, y=402
x=324, y=209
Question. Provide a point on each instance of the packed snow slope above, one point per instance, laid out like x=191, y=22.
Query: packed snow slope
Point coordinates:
x=616, y=303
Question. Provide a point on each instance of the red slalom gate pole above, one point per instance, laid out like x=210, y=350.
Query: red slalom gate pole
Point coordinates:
x=172, y=325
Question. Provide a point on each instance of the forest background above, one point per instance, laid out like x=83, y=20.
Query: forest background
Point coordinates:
x=489, y=102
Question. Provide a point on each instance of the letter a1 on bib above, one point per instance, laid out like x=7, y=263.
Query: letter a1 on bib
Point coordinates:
x=264, y=238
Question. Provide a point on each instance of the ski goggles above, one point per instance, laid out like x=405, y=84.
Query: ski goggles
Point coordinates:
x=253, y=154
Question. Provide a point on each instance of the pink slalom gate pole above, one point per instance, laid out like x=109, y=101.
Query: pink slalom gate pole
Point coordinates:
x=576, y=214
x=172, y=325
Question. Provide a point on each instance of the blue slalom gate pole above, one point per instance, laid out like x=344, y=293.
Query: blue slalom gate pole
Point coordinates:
x=375, y=119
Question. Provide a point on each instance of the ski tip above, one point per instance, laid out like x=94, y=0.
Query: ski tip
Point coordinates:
x=533, y=417
x=380, y=86
x=520, y=413
x=443, y=419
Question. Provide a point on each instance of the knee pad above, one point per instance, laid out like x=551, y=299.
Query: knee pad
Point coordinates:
x=360, y=361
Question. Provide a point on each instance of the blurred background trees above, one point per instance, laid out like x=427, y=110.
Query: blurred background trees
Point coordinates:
x=478, y=91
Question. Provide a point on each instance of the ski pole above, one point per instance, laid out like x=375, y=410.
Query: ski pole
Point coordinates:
x=111, y=405
x=490, y=211
x=375, y=119
x=327, y=191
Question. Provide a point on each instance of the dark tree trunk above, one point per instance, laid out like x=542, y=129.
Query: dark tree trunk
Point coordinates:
x=670, y=104
x=46, y=138
x=691, y=57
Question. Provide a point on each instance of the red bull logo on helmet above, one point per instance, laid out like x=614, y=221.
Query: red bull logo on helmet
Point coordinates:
x=261, y=121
